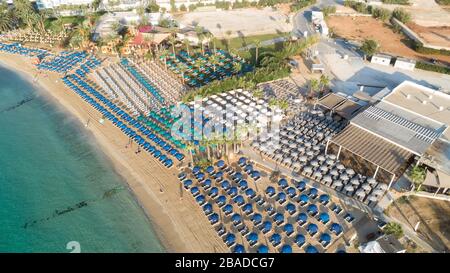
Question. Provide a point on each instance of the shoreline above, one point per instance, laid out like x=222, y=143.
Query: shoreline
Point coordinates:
x=177, y=222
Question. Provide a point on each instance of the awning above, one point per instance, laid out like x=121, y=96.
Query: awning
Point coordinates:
x=372, y=148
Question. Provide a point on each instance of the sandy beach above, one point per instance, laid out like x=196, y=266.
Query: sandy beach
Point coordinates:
x=178, y=221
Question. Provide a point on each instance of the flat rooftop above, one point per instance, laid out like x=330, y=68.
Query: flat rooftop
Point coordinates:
x=431, y=105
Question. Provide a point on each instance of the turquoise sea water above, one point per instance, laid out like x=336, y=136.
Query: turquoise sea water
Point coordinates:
x=55, y=187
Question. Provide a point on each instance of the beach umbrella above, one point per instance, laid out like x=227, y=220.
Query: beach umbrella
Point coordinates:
x=331, y=156
x=239, y=249
x=256, y=218
x=371, y=181
x=247, y=208
x=220, y=163
x=207, y=183
x=360, y=193
x=324, y=168
x=278, y=218
x=227, y=209
x=330, y=161
x=378, y=192
x=237, y=176
x=207, y=208
x=304, y=198
x=354, y=181
x=281, y=196
x=270, y=190
x=291, y=191
x=230, y=239
x=286, y=249
x=312, y=209
x=366, y=187
x=334, y=172
x=344, y=177
x=337, y=183
x=302, y=217
x=225, y=184
x=236, y=218
x=311, y=249
x=221, y=199
x=303, y=158
x=266, y=226
x=336, y=228
x=252, y=237
x=194, y=190
x=307, y=169
x=275, y=238
x=372, y=198
x=301, y=185
x=313, y=192
x=187, y=183
x=314, y=163
x=325, y=238
x=349, y=188
x=321, y=158
x=243, y=184
x=288, y=228
x=196, y=170
x=239, y=200
x=210, y=169
x=350, y=171
x=250, y=193
x=255, y=174
x=300, y=239
x=324, y=217
x=340, y=166
x=214, y=218
x=282, y=183
x=232, y=191
x=214, y=191
x=312, y=229
x=290, y=208
x=200, y=199
x=324, y=198
x=242, y=161
x=340, y=251
x=327, y=178
x=262, y=249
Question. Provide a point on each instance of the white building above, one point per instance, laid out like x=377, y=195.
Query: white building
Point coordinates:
x=381, y=59
x=404, y=63
x=50, y=4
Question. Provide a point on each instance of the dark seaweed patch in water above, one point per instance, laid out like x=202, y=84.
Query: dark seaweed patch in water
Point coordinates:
x=17, y=105
x=79, y=205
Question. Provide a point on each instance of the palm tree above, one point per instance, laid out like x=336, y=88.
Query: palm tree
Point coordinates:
x=257, y=46
x=190, y=148
x=214, y=41
x=201, y=38
x=228, y=34
x=182, y=67
x=5, y=22
x=237, y=67
x=417, y=175
x=186, y=44
x=172, y=41
x=164, y=53
x=324, y=81
x=313, y=85
x=214, y=60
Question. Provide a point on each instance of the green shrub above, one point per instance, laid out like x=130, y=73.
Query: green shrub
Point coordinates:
x=431, y=51
x=443, y=2
x=397, y=2
x=382, y=14
x=328, y=10
x=394, y=228
x=299, y=4
x=433, y=67
x=401, y=15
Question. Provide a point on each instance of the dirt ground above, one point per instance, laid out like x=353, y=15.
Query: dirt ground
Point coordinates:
x=433, y=35
x=360, y=28
x=241, y=22
x=434, y=217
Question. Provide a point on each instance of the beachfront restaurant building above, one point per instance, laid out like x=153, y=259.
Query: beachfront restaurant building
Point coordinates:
x=384, y=139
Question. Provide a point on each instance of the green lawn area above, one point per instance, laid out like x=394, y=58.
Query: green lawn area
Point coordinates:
x=238, y=42
x=50, y=23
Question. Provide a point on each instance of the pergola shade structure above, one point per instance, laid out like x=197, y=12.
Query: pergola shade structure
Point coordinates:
x=340, y=105
x=357, y=147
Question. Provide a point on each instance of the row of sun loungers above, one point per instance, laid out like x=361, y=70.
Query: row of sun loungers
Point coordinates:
x=296, y=215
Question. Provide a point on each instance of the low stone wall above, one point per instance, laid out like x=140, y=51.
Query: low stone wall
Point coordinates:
x=412, y=35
